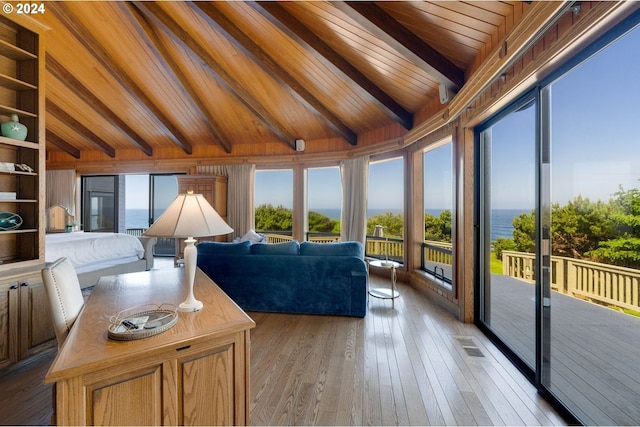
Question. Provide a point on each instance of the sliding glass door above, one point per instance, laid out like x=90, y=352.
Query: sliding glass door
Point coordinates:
x=595, y=232
x=99, y=203
x=163, y=190
x=559, y=240
x=508, y=181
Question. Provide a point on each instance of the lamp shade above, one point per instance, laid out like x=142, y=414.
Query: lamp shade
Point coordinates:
x=189, y=215
x=377, y=232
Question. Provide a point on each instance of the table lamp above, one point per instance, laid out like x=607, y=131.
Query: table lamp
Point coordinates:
x=189, y=215
x=378, y=232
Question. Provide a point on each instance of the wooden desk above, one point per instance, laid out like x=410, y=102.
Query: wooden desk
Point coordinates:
x=196, y=373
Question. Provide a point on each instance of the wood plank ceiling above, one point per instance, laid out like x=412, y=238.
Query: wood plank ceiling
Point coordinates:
x=163, y=80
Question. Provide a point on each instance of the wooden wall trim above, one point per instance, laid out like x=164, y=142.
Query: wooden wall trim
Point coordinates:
x=572, y=38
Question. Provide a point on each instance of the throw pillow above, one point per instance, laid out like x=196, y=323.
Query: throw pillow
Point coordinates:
x=332, y=249
x=284, y=248
x=242, y=248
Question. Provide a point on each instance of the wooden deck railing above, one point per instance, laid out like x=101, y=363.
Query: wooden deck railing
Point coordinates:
x=380, y=247
x=278, y=238
x=135, y=231
x=439, y=252
x=602, y=283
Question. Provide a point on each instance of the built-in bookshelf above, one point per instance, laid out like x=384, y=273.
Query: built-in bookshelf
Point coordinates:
x=25, y=318
x=21, y=162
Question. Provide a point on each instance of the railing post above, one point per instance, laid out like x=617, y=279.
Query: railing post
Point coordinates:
x=558, y=265
x=505, y=268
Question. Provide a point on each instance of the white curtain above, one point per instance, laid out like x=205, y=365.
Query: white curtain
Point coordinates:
x=61, y=189
x=354, y=173
x=240, y=188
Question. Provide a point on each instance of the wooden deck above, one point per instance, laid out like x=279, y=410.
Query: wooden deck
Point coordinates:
x=595, y=351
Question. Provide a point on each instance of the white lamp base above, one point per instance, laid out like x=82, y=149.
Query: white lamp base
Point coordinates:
x=190, y=259
x=190, y=306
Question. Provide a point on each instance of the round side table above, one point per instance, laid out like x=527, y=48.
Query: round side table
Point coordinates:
x=386, y=293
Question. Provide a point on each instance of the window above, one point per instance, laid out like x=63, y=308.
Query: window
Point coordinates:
x=438, y=212
x=324, y=200
x=99, y=203
x=386, y=209
x=136, y=202
x=274, y=202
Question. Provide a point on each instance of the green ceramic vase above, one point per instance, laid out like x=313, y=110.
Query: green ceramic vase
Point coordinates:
x=14, y=129
x=9, y=221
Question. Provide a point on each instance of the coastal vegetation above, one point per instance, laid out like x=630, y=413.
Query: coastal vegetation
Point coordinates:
x=280, y=218
x=604, y=232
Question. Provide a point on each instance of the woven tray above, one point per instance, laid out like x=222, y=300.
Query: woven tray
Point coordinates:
x=142, y=322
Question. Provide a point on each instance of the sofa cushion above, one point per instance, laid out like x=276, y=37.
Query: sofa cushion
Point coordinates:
x=332, y=249
x=242, y=248
x=284, y=248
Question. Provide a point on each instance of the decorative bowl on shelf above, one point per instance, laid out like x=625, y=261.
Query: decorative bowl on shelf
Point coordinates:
x=9, y=221
x=14, y=129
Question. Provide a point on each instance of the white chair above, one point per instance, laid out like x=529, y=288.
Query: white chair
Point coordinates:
x=64, y=294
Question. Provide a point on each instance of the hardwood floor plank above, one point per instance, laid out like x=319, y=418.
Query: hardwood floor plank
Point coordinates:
x=410, y=387
x=428, y=356
x=350, y=403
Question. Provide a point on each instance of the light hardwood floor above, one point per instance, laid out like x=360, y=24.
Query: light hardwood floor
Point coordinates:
x=402, y=366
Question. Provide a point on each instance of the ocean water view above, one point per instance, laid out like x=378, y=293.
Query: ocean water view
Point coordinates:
x=501, y=219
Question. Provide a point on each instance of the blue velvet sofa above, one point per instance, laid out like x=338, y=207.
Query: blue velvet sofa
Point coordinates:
x=290, y=277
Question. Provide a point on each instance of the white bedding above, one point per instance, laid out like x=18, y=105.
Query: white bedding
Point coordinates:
x=88, y=249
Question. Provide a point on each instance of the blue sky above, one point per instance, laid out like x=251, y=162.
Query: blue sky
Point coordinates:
x=595, y=141
x=137, y=192
x=438, y=178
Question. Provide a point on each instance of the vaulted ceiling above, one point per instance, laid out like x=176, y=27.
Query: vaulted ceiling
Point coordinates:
x=180, y=79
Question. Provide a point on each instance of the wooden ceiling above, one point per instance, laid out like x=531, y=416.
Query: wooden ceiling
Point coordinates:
x=154, y=80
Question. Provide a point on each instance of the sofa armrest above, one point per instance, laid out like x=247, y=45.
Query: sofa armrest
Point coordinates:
x=359, y=284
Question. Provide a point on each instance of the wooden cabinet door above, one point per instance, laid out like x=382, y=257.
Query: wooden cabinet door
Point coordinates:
x=9, y=317
x=133, y=398
x=207, y=391
x=36, y=326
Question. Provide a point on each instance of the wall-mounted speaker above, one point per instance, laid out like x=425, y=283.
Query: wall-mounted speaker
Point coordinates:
x=299, y=144
x=445, y=94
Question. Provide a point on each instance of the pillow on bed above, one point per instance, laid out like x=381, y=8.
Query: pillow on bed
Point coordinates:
x=253, y=237
x=241, y=248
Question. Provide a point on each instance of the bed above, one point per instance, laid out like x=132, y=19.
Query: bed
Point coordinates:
x=94, y=255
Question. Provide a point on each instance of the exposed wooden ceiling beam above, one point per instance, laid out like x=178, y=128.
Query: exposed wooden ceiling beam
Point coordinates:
x=194, y=95
x=86, y=38
x=74, y=85
x=178, y=34
x=79, y=128
x=293, y=28
x=59, y=142
x=385, y=27
x=215, y=17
